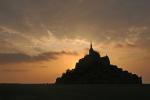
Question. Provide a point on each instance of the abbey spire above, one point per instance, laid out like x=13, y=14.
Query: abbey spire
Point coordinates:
x=91, y=49
x=91, y=46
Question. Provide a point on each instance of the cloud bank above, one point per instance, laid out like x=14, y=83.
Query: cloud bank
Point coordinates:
x=25, y=23
x=19, y=58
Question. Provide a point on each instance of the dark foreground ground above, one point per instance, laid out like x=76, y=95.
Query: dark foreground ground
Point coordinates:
x=74, y=92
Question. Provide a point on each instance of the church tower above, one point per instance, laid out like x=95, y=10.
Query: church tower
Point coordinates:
x=91, y=49
x=92, y=52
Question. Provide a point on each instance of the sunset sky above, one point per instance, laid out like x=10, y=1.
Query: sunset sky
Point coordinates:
x=40, y=39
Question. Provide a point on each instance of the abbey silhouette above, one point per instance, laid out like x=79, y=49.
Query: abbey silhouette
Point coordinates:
x=94, y=69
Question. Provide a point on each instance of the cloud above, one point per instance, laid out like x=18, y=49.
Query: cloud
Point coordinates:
x=35, y=26
x=14, y=41
x=131, y=45
x=71, y=17
x=15, y=70
x=19, y=58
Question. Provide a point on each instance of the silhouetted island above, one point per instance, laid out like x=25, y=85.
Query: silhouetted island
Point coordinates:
x=94, y=69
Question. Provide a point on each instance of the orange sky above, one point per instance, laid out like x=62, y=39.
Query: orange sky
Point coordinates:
x=37, y=72
x=48, y=71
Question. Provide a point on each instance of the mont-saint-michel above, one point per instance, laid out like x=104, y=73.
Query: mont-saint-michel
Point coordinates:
x=94, y=69
x=93, y=77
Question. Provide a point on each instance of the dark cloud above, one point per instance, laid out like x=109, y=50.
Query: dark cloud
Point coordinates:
x=67, y=16
x=18, y=58
x=90, y=19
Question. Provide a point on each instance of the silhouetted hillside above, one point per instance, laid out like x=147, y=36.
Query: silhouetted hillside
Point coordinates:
x=94, y=69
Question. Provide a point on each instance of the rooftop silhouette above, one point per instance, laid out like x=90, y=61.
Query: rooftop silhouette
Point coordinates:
x=94, y=69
